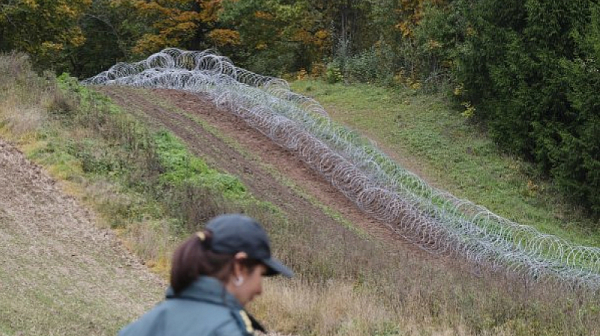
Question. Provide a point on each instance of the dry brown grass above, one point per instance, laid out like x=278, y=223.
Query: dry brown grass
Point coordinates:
x=22, y=111
x=152, y=240
x=494, y=307
x=331, y=309
x=22, y=120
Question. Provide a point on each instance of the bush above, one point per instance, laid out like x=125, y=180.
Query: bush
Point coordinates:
x=374, y=65
x=429, y=57
x=333, y=74
x=272, y=62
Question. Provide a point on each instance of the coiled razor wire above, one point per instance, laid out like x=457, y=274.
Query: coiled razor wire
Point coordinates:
x=433, y=219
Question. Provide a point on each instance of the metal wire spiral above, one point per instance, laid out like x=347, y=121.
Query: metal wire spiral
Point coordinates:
x=433, y=219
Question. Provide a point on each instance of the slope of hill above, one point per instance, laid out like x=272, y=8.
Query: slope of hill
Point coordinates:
x=59, y=273
x=433, y=219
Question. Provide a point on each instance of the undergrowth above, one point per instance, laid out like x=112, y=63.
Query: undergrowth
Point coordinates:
x=147, y=186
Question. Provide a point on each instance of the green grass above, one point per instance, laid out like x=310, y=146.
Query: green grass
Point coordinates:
x=182, y=167
x=427, y=136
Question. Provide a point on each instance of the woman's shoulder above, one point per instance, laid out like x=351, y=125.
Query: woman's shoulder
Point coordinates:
x=188, y=317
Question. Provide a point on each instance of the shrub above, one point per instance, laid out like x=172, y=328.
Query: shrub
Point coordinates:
x=333, y=74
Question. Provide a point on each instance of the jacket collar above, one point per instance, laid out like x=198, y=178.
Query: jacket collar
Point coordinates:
x=208, y=289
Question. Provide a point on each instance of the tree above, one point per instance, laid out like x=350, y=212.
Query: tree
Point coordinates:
x=111, y=30
x=126, y=30
x=174, y=23
x=48, y=30
x=349, y=23
x=577, y=159
x=276, y=36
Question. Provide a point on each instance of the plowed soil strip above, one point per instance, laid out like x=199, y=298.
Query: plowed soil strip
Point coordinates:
x=180, y=112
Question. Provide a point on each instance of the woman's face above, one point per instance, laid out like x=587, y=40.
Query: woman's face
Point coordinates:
x=250, y=287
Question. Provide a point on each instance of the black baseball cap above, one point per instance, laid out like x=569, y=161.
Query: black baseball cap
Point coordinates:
x=233, y=233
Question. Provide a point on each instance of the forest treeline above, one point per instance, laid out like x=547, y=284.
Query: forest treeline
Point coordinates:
x=525, y=70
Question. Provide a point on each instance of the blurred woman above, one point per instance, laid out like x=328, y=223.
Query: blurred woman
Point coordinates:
x=214, y=274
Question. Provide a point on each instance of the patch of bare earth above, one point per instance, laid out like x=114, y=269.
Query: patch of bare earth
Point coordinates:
x=59, y=273
x=255, y=159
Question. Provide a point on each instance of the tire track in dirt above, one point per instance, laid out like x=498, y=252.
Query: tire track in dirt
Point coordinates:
x=157, y=107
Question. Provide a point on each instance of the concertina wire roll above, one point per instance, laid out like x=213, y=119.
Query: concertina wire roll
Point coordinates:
x=433, y=219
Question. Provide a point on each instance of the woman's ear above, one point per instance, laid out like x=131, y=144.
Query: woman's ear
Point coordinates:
x=240, y=256
x=238, y=268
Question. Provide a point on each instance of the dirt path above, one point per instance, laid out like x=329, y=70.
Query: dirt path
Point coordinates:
x=253, y=157
x=59, y=273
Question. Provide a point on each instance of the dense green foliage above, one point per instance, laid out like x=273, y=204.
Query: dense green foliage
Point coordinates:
x=524, y=70
x=529, y=68
x=48, y=30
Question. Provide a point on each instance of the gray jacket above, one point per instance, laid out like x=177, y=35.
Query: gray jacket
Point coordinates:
x=205, y=308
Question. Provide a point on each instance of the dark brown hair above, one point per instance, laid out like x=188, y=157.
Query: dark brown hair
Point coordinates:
x=194, y=258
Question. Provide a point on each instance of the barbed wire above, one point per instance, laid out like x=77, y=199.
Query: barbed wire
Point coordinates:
x=433, y=219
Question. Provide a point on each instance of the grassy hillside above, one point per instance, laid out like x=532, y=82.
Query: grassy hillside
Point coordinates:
x=59, y=273
x=429, y=137
x=149, y=187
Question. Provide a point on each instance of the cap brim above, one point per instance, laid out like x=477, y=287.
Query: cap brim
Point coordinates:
x=275, y=267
